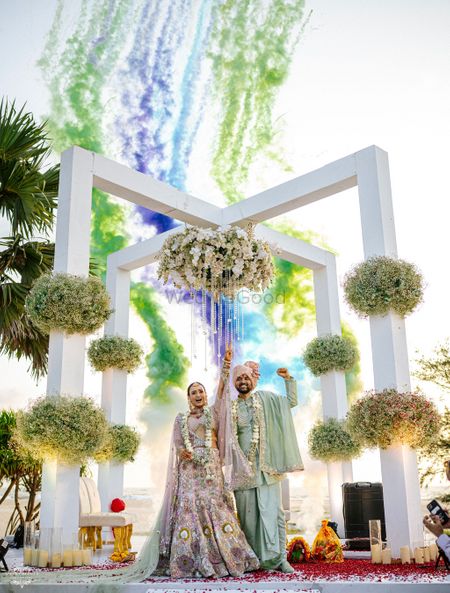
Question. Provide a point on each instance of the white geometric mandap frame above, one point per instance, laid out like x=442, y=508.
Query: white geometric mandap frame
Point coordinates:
x=368, y=169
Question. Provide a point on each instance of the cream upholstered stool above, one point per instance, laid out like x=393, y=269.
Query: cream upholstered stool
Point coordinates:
x=92, y=520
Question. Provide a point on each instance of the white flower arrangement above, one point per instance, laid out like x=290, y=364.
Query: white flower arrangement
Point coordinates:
x=220, y=261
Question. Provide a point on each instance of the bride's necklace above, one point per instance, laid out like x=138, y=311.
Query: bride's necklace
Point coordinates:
x=199, y=455
x=256, y=406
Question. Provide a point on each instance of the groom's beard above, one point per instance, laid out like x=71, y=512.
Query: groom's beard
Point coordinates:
x=244, y=389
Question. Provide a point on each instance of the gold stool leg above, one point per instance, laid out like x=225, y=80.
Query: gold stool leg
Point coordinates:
x=129, y=529
x=98, y=531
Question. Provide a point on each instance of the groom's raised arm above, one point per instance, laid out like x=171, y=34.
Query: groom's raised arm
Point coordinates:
x=290, y=385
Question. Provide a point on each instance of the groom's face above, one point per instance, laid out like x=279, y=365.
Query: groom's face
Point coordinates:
x=243, y=383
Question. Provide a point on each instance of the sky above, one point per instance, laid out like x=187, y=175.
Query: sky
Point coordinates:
x=365, y=72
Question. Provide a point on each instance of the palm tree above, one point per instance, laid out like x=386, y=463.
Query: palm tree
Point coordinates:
x=28, y=190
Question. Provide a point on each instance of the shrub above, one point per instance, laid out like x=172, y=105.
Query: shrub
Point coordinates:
x=329, y=441
x=70, y=429
x=68, y=303
x=115, y=352
x=385, y=418
x=331, y=352
x=120, y=445
x=382, y=284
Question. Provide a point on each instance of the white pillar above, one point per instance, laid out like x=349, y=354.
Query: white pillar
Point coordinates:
x=334, y=392
x=60, y=483
x=401, y=488
x=114, y=381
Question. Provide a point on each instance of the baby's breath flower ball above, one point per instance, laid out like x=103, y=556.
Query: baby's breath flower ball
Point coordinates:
x=330, y=352
x=115, y=352
x=382, y=284
x=120, y=445
x=72, y=304
x=329, y=441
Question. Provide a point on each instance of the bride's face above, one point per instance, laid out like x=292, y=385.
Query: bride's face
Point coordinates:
x=197, y=396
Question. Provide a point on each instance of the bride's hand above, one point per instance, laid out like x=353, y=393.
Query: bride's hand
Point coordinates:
x=228, y=357
x=185, y=455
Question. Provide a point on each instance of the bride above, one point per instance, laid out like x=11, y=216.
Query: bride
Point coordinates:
x=200, y=533
x=197, y=532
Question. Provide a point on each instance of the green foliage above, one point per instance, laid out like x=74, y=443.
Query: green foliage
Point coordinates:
x=353, y=381
x=120, y=445
x=330, y=352
x=115, y=352
x=385, y=418
x=28, y=193
x=437, y=368
x=382, y=284
x=71, y=429
x=20, y=470
x=68, y=303
x=329, y=440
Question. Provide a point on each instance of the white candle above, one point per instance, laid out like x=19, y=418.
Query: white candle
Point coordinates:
x=77, y=557
x=43, y=558
x=433, y=552
x=87, y=556
x=386, y=556
x=67, y=558
x=56, y=560
x=426, y=554
x=27, y=556
x=34, y=557
x=418, y=555
x=405, y=555
x=376, y=553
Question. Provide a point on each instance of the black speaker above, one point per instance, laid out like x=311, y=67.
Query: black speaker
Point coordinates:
x=362, y=502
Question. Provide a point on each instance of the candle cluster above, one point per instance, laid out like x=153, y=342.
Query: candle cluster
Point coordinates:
x=45, y=549
x=421, y=555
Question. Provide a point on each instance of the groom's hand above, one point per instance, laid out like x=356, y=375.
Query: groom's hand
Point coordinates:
x=228, y=357
x=283, y=373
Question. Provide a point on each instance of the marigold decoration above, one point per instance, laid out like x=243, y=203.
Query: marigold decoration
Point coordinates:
x=70, y=429
x=219, y=263
x=329, y=440
x=386, y=418
x=330, y=352
x=72, y=304
x=120, y=444
x=116, y=352
x=382, y=284
x=298, y=550
x=326, y=546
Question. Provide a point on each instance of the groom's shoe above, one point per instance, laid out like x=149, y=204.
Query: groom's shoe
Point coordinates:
x=285, y=567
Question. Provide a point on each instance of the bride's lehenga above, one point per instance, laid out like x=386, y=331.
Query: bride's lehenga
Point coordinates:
x=206, y=536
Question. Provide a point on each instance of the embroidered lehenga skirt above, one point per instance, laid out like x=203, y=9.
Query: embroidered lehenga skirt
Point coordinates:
x=207, y=539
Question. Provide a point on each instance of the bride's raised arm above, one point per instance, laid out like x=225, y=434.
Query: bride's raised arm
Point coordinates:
x=225, y=372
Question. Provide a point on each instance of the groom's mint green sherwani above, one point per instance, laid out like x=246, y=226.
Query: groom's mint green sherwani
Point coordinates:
x=259, y=501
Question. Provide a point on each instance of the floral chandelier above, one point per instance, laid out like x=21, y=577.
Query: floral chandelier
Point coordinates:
x=218, y=263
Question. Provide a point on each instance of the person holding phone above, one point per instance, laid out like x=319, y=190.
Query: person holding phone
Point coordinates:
x=438, y=521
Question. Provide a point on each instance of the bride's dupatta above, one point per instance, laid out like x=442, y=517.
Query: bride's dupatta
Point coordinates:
x=236, y=469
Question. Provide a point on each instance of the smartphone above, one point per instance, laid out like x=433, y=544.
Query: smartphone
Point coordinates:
x=435, y=509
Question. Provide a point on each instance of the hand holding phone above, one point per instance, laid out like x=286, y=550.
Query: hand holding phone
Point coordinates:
x=435, y=509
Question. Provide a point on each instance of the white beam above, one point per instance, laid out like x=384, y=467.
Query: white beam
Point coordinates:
x=295, y=250
x=321, y=183
x=140, y=254
x=143, y=190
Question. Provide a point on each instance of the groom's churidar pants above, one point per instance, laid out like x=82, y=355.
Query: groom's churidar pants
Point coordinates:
x=262, y=520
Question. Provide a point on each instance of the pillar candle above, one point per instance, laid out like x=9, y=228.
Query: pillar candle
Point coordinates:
x=43, y=558
x=418, y=555
x=376, y=553
x=56, y=560
x=34, y=557
x=67, y=558
x=433, y=552
x=386, y=556
x=87, y=556
x=27, y=556
x=77, y=557
x=405, y=555
x=426, y=554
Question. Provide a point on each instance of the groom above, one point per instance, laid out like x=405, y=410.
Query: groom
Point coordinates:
x=265, y=431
